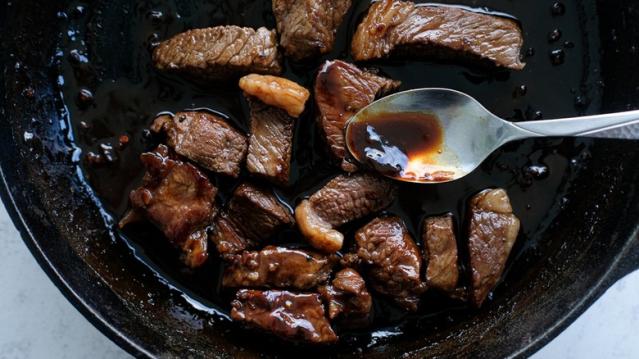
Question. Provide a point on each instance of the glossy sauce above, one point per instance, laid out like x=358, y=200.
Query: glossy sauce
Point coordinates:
x=401, y=145
x=112, y=92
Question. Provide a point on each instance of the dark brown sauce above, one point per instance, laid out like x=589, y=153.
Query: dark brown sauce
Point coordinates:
x=106, y=51
x=402, y=145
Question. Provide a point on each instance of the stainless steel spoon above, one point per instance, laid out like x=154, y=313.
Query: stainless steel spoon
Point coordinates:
x=471, y=133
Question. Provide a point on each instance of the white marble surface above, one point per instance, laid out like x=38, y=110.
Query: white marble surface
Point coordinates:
x=36, y=321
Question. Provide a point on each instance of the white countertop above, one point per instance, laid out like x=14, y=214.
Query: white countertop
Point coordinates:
x=36, y=321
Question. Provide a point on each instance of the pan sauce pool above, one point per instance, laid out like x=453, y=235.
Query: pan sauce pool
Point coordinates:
x=401, y=145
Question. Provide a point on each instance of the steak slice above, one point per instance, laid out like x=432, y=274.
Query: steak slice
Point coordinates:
x=252, y=215
x=343, y=199
x=219, y=53
x=347, y=296
x=205, y=139
x=179, y=199
x=273, y=103
x=307, y=27
x=288, y=315
x=270, y=142
x=277, y=267
x=440, y=250
x=492, y=234
x=437, y=30
x=341, y=90
x=392, y=260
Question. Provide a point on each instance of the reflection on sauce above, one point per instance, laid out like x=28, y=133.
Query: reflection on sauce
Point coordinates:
x=404, y=145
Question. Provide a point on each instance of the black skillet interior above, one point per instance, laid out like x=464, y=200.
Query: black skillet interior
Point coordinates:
x=579, y=218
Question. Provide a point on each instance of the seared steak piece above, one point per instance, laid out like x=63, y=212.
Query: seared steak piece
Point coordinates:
x=347, y=296
x=307, y=27
x=343, y=199
x=179, y=199
x=270, y=142
x=392, y=259
x=440, y=250
x=253, y=214
x=493, y=231
x=219, y=53
x=205, y=139
x=273, y=102
x=439, y=31
x=277, y=267
x=341, y=90
x=288, y=315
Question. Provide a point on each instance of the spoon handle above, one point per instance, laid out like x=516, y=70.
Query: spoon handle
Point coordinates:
x=623, y=125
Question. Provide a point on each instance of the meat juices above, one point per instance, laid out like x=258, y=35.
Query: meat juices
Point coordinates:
x=440, y=250
x=392, y=260
x=219, y=53
x=205, y=139
x=288, y=315
x=277, y=267
x=347, y=296
x=179, y=199
x=273, y=103
x=253, y=214
x=343, y=199
x=307, y=27
x=341, y=90
x=439, y=31
x=492, y=234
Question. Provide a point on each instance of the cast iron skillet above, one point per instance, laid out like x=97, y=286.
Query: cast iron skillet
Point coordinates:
x=591, y=242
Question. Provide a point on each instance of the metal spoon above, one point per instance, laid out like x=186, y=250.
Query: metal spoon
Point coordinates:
x=471, y=133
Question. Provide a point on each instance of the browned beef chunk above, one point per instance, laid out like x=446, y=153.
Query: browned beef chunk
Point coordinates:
x=347, y=296
x=343, y=199
x=273, y=101
x=440, y=250
x=277, y=267
x=392, y=259
x=270, y=142
x=439, y=31
x=307, y=27
x=252, y=215
x=177, y=198
x=206, y=139
x=288, y=315
x=493, y=231
x=220, y=52
x=341, y=90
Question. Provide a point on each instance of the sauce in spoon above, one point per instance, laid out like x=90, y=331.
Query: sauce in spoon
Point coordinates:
x=403, y=145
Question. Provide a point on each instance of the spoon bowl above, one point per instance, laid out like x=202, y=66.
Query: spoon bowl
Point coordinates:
x=470, y=133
